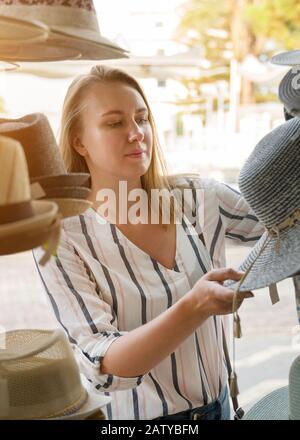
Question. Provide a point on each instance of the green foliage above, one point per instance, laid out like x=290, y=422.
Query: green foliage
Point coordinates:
x=235, y=28
x=277, y=20
x=198, y=19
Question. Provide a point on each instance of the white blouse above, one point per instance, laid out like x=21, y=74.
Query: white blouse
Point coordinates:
x=101, y=286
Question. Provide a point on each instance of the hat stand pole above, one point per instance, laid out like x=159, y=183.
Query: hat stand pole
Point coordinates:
x=296, y=280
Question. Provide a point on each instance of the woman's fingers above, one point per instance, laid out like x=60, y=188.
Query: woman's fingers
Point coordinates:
x=226, y=273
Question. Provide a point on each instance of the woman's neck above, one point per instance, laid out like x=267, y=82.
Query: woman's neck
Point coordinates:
x=111, y=193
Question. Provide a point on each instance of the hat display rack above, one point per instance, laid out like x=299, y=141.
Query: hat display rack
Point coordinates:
x=36, y=194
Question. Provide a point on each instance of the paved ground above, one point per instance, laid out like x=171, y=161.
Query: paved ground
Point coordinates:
x=271, y=335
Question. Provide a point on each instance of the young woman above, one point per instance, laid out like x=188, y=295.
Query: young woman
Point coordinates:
x=139, y=300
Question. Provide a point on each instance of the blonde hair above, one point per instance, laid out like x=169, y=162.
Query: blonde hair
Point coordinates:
x=156, y=177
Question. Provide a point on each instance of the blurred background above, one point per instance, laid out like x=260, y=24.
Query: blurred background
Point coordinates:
x=205, y=67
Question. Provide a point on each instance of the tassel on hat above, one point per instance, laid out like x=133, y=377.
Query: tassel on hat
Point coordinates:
x=233, y=385
x=237, y=328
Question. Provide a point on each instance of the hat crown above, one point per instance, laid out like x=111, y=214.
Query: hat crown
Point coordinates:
x=39, y=377
x=14, y=179
x=66, y=13
x=294, y=389
x=269, y=180
x=36, y=136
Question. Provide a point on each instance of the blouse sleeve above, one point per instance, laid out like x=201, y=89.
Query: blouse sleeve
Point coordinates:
x=89, y=322
x=239, y=221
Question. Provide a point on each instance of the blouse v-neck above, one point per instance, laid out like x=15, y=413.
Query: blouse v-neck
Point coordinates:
x=127, y=242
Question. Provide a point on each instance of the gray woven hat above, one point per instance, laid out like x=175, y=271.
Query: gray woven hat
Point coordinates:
x=288, y=58
x=270, y=183
x=281, y=404
x=289, y=91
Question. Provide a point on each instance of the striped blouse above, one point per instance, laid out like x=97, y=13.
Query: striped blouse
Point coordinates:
x=101, y=286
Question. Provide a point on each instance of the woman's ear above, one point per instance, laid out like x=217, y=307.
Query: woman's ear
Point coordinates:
x=79, y=147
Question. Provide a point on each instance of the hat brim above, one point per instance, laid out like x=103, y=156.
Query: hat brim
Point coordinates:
x=63, y=180
x=14, y=30
x=289, y=58
x=71, y=207
x=38, y=52
x=44, y=213
x=77, y=192
x=85, y=35
x=94, y=402
x=93, y=49
x=274, y=406
x=279, y=260
x=20, y=242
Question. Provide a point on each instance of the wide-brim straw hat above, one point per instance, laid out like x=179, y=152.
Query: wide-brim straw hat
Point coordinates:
x=14, y=30
x=281, y=404
x=24, y=224
x=289, y=91
x=40, y=379
x=288, y=58
x=269, y=182
x=72, y=25
x=45, y=163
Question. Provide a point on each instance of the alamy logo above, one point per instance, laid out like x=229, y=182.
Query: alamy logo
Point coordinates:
x=138, y=207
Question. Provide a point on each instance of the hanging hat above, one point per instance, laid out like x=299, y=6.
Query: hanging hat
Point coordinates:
x=24, y=224
x=40, y=379
x=269, y=182
x=281, y=404
x=14, y=30
x=289, y=91
x=288, y=58
x=72, y=25
x=45, y=163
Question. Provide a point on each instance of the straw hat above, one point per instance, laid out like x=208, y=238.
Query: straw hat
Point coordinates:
x=24, y=224
x=13, y=30
x=269, y=182
x=289, y=92
x=40, y=379
x=72, y=24
x=281, y=404
x=45, y=163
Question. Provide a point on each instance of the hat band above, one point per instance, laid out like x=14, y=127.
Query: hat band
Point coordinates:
x=15, y=212
x=287, y=224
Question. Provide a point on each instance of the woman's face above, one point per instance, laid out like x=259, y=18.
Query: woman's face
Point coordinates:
x=116, y=138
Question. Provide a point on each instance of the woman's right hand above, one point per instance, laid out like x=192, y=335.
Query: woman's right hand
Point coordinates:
x=209, y=297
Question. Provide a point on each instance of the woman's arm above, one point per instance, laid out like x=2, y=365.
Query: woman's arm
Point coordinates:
x=239, y=221
x=141, y=349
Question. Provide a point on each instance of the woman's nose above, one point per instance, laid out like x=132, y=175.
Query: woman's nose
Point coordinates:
x=135, y=133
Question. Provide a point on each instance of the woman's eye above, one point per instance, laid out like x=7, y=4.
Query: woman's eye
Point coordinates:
x=143, y=120
x=114, y=124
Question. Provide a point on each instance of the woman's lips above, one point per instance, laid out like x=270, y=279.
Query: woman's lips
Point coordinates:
x=136, y=154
